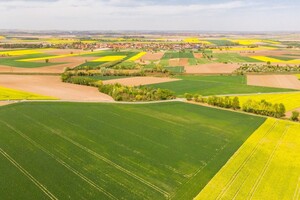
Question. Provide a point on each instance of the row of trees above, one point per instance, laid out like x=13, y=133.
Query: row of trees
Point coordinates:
x=257, y=107
x=127, y=93
x=223, y=102
x=255, y=68
x=264, y=108
x=120, y=92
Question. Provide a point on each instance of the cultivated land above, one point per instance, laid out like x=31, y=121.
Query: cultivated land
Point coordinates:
x=136, y=81
x=9, y=94
x=214, y=85
x=267, y=166
x=278, y=81
x=172, y=150
x=213, y=68
x=52, y=86
x=114, y=151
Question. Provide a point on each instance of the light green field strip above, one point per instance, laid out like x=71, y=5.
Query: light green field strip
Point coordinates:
x=290, y=100
x=10, y=94
x=267, y=166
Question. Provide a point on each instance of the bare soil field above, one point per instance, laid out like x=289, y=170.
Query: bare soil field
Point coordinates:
x=49, y=69
x=198, y=55
x=278, y=81
x=214, y=68
x=289, y=113
x=52, y=86
x=179, y=62
x=136, y=81
x=153, y=56
x=4, y=103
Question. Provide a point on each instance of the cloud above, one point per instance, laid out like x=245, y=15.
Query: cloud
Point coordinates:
x=145, y=14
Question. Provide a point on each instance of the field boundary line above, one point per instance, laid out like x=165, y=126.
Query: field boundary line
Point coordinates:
x=61, y=162
x=104, y=159
x=266, y=166
x=236, y=173
x=297, y=190
x=28, y=175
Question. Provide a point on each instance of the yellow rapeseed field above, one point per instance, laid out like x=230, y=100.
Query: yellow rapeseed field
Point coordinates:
x=266, y=166
x=60, y=40
x=58, y=56
x=253, y=41
x=137, y=56
x=20, y=52
x=47, y=57
x=11, y=94
x=109, y=58
x=2, y=37
x=298, y=75
x=247, y=48
x=195, y=40
x=290, y=100
x=274, y=60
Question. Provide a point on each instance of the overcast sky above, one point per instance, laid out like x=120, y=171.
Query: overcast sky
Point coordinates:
x=210, y=15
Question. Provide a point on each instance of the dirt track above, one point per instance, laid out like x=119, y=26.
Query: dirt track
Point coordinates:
x=278, y=81
x=214, y=68
x=136, y=81
x=52, y=86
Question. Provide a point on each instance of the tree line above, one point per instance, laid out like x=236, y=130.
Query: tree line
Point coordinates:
x=251, y=106
x=121, y=92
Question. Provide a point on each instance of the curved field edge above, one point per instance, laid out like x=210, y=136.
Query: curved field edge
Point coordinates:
x=271, y=155
x=145, y=151
x=12, y=94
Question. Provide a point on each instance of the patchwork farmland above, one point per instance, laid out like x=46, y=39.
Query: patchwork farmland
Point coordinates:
x=149, y=116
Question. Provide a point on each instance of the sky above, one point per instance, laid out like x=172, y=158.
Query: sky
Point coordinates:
x=160, y=15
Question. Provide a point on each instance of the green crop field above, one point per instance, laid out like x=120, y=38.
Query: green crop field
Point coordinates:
x=232, y=57
x=267, y=166
x=92, y=64
x=13, y=61
x=115, y=151
x=170, y=55
x=282, y=58
x=222, y=42
x=214, y=85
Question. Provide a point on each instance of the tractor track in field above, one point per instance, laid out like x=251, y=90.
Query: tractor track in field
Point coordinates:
x=104, y=159
x=267, y=164
x=236, y=173
x=28, y=175
x=90, y=182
